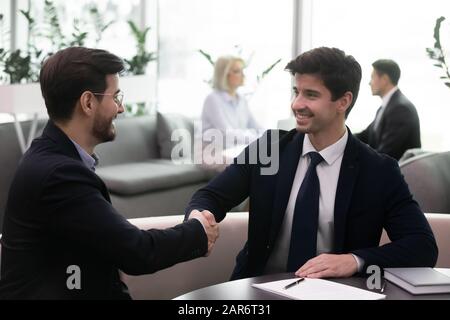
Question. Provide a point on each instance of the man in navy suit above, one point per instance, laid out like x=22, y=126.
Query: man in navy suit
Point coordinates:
x=396, y=127
x=359, y=191
x=62, y=239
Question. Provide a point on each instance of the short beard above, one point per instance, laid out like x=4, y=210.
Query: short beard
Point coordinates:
x=103, y=131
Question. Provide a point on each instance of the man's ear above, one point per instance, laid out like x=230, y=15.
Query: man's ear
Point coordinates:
x=344, y=102
x=386, y=80
x=87, y=102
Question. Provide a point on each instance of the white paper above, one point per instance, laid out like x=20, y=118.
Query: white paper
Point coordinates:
x=445, y=271
x=318, y=289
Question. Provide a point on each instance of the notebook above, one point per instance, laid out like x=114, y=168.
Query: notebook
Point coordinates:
x=419, y=280
x=318, y=289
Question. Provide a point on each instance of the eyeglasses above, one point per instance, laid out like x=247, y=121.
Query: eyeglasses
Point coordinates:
x=117, y=97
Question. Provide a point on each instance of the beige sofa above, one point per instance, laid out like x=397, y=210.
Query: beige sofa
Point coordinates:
x=187, y=276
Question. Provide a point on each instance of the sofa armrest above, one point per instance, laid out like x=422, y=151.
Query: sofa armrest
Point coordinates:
x=191, y=275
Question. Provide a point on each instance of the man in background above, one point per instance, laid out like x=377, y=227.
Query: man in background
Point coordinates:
x=396, y=127
x=59, y=221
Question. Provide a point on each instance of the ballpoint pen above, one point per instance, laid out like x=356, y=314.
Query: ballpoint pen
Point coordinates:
x=294, y=283
x=383, y=286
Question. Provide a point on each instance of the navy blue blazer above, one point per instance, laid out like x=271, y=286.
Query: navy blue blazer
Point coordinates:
x=59, y=214
x=371, y=195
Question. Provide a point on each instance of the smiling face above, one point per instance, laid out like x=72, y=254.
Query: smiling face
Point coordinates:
x=315, y=112
x=107, y=110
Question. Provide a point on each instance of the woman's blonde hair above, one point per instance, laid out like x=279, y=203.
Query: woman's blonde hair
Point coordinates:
x=221, y=70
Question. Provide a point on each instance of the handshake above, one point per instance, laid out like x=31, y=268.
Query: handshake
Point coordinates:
x=210, y=225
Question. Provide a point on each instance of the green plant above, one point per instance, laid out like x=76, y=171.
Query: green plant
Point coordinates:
x=20, y=66
x=138, y=63
x=247, y=62
x=79, y=35
x=98, y=22
x=437, y=53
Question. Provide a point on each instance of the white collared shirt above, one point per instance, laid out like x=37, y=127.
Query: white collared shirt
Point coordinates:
x=328, y=174
x=230, y=115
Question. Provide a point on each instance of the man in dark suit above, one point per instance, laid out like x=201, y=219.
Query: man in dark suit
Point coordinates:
x=62, y=239
x=396, y=127
x=352, y=191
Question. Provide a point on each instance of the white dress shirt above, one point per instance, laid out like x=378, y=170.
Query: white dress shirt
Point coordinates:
x=328, y=174
x=227, y=113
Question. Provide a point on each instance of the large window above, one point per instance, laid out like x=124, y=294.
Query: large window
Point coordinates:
x=391, y=29
x=261, y=29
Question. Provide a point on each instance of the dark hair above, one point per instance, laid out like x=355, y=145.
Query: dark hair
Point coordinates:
x=388, y=67
x=339, y=72
x=68, y=73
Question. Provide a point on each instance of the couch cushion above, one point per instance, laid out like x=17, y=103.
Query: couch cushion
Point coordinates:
x=152, y=175
x=166, y=124
x=135, y=142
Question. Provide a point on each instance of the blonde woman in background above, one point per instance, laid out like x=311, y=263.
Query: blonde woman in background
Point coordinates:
x=226, y=110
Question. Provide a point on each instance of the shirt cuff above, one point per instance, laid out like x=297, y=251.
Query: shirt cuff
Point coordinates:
x=359, y=262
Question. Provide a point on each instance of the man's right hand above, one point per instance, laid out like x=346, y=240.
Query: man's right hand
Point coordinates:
x=210, y=225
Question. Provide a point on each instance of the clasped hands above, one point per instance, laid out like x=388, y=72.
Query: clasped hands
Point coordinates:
x=210, y=225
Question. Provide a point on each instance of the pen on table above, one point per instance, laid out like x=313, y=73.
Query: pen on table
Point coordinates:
x=383, y=286
x=294, y=283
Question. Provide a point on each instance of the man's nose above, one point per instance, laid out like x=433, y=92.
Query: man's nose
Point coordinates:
x=298, y=102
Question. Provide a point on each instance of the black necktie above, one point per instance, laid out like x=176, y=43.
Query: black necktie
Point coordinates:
x=306, y=214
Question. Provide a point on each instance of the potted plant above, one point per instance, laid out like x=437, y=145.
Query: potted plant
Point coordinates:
x=19, y=69
x=137, y=85
x=259, y=76
x=437, y=53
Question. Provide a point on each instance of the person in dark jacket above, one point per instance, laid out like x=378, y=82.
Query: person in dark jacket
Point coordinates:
x=322, y=213
x=62, y=238
x=396, y=127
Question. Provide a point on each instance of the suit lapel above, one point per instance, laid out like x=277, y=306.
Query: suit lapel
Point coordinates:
x=288, y=166
x=392, y=102
x=347, y=177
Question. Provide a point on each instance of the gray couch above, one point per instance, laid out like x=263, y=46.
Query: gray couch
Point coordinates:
x=428, y=178
x=140, y=175
x=136, y=167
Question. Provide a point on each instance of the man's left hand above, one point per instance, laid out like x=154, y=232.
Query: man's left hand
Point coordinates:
x=329, y=266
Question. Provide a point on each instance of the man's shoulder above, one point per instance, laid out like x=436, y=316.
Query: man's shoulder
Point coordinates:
x=401, y=100
x=43, y=158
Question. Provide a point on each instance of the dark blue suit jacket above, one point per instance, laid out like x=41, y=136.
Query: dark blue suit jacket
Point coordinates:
x=59, y=214
x=371, y=195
